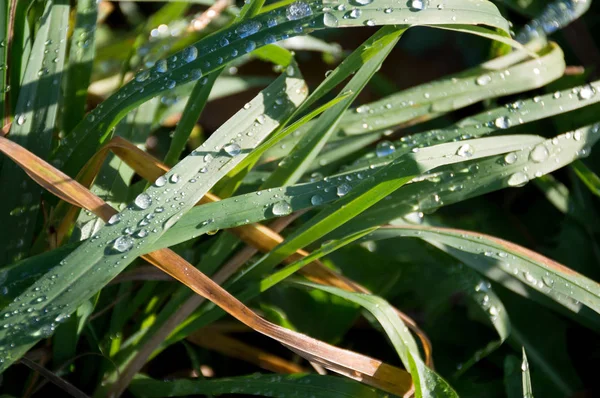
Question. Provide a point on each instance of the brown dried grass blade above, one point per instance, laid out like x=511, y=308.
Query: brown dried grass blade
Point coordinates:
x=345, y=362
x=234, y=348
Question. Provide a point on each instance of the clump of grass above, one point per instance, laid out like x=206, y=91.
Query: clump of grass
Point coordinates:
x=138, y=247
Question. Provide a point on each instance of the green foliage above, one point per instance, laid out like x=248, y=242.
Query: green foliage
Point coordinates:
x=363, y=164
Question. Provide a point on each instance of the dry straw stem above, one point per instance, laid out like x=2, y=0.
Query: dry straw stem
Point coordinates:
x=350, y=364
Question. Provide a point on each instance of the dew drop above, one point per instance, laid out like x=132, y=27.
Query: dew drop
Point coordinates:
x=316, y=200
x=502, y=122
x=160, y=181
x=114, y=219
x=539, y=153
x=247, y=29
x=586, y=92
x=369, y=22
x=161, y=66
x=142, y=76
x=174, y=178
x=384, y=148
x=417, y=5
x=548, y=281
x=190, y=54
x=298, y=10
x=281, y=208
x=232, y=149
x=465, y=151
x=123, y=243
x=510, y=158
x=21, y=119
x=343, y=189
x=518, y=179
x=483, y=80
x=353, y=14
x=143, y=201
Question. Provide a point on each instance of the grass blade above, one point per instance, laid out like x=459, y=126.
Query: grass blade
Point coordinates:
x=527, y=390
x=427, y=383
x=264, y=385
x=497, y=259
x=33, y=128
x=81, y=57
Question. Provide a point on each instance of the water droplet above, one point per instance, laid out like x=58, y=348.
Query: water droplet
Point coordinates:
x=174, y=178
x=360, y=2
x=510, y=158
x=298, y=10
x=518, y=179
x=159, y=209
x=416, y=217
x=247, y=29
x=114, y=219
x=465, y=151
x=417, y=5
x=261, y=119
x=493, y=311
x=556, y=95
x=524, y=365
x=142, y=233
x=539, y=153
x=529, y=278
x=586, y=92
x=142, y=76
x=281, y=208
x=250, y=46
x=388, y=10
x=384, y=148
x=161, y=66
x=369, y=22
x=143, y=201
x=160, y=181
x=21, y=119
x=502, y=122
x=123, y=243
x=343, y=189
x=316, y=200
x=483, y=80
x=190, y=54
x=232, y=149
x=353, y=14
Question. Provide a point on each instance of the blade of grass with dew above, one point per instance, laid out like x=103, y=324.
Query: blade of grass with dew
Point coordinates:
x=497, y=259
x=527, y=390
x=277, y=386
x=498, y=119
x=98, y=260
x=480, y=293
x=349, y=66
x=293, y=167
x=4, y=81
x=113, y=182
x=209, y=54
x=556, y=15
x=427, y=383
x=35, y=120
x=502, y=76
x=261, y=205
x=587, y=176
x=81, y=57
x=188, y=65
x=194, y=107
x=21, y=47
x=506, y=75
x=456, y=183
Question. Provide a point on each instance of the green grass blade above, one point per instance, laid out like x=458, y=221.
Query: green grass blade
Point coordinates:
x=4, y=24
x=98, y=260
x=277, y=386
x=294, y=166
x=589, y=178
x=433, y=12
x=427, y=383
x=455, y=184
x=33, y=128
x=81, y=57
x=193, y=108
x=499, y=259
x=527, y=390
